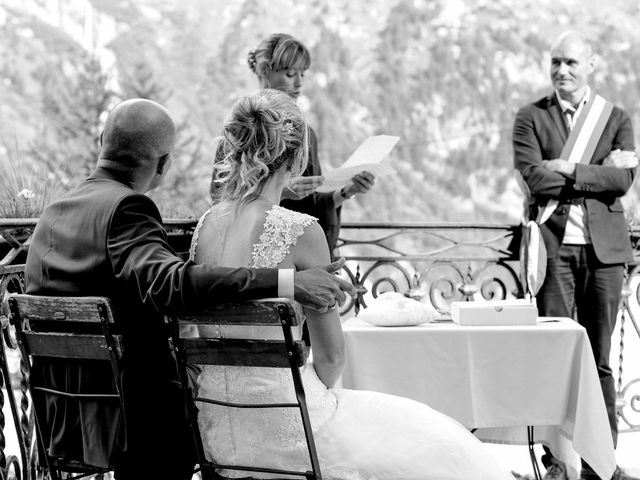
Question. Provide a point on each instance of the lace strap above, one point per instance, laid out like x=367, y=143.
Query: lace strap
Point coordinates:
x=281, y=230
x=196, y=235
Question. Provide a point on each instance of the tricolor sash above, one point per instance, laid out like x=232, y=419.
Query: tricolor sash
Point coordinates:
x=582, y=141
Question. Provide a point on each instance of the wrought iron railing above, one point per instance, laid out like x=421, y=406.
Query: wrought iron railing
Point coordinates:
x=436, y=263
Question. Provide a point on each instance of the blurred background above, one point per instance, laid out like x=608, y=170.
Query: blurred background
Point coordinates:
x=447, y=76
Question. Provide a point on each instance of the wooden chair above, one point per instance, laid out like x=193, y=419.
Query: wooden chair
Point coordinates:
x=73, y=328
x=286, y=353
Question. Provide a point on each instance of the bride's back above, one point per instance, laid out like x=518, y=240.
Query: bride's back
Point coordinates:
x=228, y=233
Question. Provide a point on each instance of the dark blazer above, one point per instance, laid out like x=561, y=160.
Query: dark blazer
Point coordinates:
x=106, y=239
x=318, y=204
x=539, y=134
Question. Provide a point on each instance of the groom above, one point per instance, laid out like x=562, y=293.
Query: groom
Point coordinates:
x=106, y=238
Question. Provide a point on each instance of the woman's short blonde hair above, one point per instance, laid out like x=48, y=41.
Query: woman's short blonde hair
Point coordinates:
x=277, y=52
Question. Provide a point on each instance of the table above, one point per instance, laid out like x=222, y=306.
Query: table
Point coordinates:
x=497, y=380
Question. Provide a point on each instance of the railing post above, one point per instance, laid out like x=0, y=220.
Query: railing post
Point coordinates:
x=3, y=382
x=623, y=308
x=12, y=281
x=358, y=300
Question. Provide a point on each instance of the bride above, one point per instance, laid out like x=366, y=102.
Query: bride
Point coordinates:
x=359, y=435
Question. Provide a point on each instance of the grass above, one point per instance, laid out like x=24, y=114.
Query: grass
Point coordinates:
x=25, y=187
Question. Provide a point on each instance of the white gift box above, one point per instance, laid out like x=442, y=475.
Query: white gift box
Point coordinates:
x=494, y=312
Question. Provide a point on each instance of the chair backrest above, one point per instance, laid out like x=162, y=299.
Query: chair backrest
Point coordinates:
x=66, y=327
x=71, y=328
x=290, y=353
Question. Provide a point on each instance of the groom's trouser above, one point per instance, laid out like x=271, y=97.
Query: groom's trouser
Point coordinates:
x=578, y=285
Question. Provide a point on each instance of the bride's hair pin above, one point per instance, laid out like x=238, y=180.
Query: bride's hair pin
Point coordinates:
x=287, y=128
x=264, y=132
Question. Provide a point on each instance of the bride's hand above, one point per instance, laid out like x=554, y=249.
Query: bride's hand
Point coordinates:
x=301, y=187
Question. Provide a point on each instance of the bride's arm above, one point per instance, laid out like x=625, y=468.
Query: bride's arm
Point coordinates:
x=325, y=329
x=327, y=344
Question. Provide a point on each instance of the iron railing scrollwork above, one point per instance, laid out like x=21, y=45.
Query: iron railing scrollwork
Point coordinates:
x=629, y=392
x=437, y=263
x=12, y=466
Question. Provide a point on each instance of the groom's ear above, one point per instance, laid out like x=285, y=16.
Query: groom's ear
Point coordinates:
x=164, y=161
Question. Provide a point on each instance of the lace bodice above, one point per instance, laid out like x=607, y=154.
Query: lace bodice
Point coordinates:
x=280, y=232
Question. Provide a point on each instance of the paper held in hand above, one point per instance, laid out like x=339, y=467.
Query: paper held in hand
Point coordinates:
x=368, y=157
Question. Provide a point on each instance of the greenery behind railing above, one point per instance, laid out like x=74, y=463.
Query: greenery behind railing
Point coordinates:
x=436, y=263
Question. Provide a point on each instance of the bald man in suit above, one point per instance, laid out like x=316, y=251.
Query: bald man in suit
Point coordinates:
x=586, y=236
x=106, y=238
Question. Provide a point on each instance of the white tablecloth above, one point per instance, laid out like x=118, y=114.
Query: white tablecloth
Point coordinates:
x=495, y=379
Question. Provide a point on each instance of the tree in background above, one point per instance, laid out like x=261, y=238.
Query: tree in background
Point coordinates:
x=184, y=179
x=446, y=76
x=53, y=97
x=74, y=100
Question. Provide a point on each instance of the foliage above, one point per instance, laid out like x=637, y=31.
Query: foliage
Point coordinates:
x=447, y=76
x=73, y=103
x=186, y=172
x=26, y=188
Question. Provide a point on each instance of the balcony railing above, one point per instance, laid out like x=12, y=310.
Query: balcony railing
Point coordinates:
x=436, y=263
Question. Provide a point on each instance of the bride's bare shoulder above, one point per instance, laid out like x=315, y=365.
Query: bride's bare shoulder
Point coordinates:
x=311, y=248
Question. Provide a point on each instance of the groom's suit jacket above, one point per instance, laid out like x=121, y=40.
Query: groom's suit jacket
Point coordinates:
x=105, y=239
x=539, y=133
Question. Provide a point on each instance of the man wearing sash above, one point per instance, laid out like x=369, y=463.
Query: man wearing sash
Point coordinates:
x=575, y=151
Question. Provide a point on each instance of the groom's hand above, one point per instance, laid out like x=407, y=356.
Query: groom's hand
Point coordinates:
x=319, y=289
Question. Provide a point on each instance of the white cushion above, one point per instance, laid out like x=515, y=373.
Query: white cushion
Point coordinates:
x=392, y=309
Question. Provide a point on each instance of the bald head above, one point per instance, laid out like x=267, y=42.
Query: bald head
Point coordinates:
x=572, y=38
x=137, y=132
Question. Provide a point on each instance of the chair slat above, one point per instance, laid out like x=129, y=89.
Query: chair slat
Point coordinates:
x=70, y=345
x=57, y=309
x=259, y=312
x=242, y=352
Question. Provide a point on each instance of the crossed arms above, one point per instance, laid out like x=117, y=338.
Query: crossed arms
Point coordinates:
x=537, y=145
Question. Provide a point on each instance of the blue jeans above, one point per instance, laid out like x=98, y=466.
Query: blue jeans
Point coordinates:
x=579, y=286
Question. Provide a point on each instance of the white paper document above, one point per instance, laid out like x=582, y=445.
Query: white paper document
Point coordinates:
x=368, y=157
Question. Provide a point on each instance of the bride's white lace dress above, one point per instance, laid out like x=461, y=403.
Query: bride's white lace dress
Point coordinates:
x=359, y=435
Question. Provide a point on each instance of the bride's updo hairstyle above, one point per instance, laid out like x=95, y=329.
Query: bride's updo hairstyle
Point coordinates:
x=264, y=132
x=277, y=52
